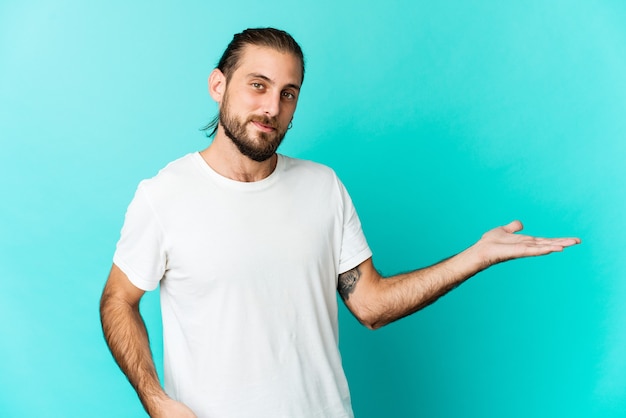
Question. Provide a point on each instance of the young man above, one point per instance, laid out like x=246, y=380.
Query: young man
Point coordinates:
x=249, y=248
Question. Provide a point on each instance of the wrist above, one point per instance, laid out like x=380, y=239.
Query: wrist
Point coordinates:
x=155, y=402
x=474, y=259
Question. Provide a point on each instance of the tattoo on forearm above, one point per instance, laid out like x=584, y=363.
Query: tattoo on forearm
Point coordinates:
x=347, y=282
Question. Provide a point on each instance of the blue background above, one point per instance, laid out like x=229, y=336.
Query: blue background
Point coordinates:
x=443, y=119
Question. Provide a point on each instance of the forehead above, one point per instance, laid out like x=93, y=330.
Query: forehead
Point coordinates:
x=281, y=67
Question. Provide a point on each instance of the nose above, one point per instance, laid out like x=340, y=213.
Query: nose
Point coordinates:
x=271, y=105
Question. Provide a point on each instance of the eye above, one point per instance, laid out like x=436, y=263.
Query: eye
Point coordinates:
x=288, y=95
x=257, y=86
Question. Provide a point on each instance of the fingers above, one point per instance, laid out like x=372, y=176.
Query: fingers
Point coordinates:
x=543, y=250
x=556, y=245
x=547, y=242
x=542, y=246
x=517, y=226
x=565, y=242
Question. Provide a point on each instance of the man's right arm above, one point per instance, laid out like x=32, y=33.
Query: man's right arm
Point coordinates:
x=126, y=335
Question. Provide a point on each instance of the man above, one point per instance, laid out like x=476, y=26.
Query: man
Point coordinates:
x=249, y=248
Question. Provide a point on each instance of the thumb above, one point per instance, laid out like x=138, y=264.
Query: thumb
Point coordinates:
x=513, y=227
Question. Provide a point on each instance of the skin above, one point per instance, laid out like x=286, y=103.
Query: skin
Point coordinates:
x=266, y=83
x=265, y=87
x=126, y=335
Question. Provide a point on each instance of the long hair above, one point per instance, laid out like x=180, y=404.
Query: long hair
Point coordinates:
x=268, y=37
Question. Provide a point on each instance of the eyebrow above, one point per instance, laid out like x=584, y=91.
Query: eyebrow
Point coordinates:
x=270, y=81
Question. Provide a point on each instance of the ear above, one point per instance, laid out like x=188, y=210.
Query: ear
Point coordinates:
x=217, y=85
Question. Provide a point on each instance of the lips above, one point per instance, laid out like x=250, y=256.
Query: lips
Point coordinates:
x=263, y=127
x=264, y=124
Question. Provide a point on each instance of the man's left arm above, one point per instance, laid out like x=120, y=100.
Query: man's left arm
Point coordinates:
x=377, y=301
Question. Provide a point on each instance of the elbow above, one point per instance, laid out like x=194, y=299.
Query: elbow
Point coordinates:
x=104, y=305
x=108, y=304
x=373, y=325
x=370, y=319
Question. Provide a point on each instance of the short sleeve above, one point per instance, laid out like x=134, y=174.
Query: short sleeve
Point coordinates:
x=140, y=251
x=354, y=247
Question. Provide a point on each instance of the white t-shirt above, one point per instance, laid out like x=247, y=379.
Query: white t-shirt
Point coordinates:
x=248, y=275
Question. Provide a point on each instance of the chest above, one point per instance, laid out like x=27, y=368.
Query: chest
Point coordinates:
x=217, y=239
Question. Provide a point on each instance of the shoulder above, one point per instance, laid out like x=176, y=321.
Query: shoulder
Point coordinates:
x=299, y=167
x=176, y=180
x=312, y=178
x=173, y=173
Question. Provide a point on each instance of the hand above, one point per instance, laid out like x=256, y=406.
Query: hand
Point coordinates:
x=170, y=408
x=502, y=244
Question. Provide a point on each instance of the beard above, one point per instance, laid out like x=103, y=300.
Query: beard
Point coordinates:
x=259, y=149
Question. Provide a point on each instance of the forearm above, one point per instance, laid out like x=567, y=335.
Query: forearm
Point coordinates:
x=127, y=338
x=403, y=294
x=377, y=301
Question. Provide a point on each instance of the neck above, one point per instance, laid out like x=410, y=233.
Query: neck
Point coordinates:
x=224, y=157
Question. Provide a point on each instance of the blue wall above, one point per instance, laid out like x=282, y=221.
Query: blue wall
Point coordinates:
x=444, y=120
